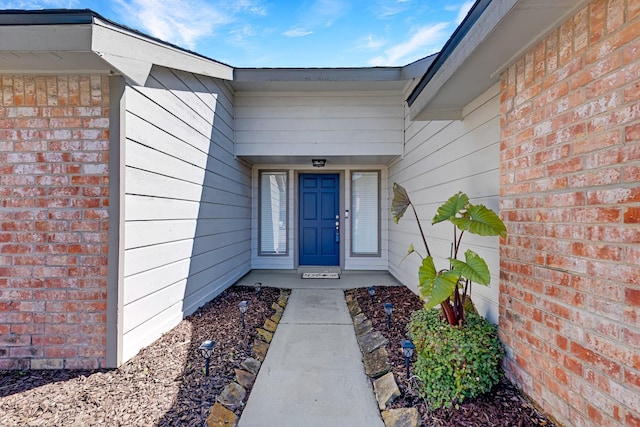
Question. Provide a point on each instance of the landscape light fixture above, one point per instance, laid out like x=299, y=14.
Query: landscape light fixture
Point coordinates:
x=318, y=163
x=372, y=292
x=388, y=308
x=243, y=306
x=258, y=286
x=407, y=350
x=206, y=348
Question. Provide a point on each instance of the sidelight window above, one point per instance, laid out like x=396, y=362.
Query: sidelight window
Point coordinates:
x=273, y=221
x=365, y=213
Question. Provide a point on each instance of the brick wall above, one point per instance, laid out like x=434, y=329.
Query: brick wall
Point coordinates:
x=54, y=215
x=570, y=196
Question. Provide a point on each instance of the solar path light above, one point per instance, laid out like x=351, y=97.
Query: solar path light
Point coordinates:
x=206, y=348
x=258, y=286
x=372, y=292
x=407, y=350
x=243, y=306
x=388, y=308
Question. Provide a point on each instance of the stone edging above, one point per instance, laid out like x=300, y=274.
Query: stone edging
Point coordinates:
x=373, y=346
x=234, y=394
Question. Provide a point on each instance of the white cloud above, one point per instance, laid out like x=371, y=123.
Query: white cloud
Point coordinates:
x=297, y=32
x=185, y=22
x=240, y=34
x=254, y=7
x=182, y=22
x=326, y=12
x=464, y=9
x=370, y=42
x=423, y=42
x=384, y=9
x=320, y=14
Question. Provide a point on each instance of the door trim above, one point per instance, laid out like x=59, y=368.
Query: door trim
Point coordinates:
x=296, y=213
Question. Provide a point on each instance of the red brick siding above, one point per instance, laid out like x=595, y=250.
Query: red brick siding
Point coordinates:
x=54, y=178
x=570, y=197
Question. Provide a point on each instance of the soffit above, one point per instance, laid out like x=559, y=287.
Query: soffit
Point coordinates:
x=504, y=32
x=332, y=161
x=317, y=79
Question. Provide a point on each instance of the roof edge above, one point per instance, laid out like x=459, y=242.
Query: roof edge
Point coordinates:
x=196, y=63
x=472, y=16
x=47, y=17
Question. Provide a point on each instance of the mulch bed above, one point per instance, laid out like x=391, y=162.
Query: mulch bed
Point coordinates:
x=163, y=385
x=504, y=405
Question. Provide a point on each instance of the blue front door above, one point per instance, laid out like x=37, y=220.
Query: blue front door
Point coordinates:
x=319, y=219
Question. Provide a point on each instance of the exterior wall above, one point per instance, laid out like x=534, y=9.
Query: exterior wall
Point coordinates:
x=319, y=123
x=54, y=179
x=570, y=197
x=187, y=203
x=442, y=158
x=349, y=262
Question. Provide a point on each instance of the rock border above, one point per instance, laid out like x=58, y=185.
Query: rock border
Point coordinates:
x=235, y=394
x=375, y=357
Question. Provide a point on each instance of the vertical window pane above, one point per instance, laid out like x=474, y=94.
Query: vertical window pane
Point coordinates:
x=364, y=213
x=273, y=213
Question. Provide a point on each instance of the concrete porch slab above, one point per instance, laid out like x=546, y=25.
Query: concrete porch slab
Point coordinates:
x=291, y=279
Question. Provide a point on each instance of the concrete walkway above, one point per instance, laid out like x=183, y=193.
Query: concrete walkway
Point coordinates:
x=313, y=373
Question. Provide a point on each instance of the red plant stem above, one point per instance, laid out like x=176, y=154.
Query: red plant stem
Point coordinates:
x=448, y=312
x=457, y=308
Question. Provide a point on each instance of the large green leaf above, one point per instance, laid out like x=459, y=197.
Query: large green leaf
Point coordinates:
x=474, y=269
x=400, y=202
x=436, y=287
x=451, y=207
x=482, y=221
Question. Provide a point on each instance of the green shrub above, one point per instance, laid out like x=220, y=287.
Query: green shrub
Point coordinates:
x=454, y=363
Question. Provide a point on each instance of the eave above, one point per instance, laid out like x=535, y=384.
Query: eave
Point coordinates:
x=328, y=79
x=497, y=34
x=84, y=42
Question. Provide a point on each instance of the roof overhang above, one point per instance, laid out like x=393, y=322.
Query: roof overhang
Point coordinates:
x=328, y=79
x=494, y=35
x=54, y=42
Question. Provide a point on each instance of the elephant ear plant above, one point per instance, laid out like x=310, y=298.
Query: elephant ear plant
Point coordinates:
x=450, y=287
x=462, y=360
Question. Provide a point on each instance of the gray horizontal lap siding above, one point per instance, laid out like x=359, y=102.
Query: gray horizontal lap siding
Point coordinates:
x=187, y=202
x=442, y=158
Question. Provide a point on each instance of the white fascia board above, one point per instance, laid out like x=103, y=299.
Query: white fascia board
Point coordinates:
x=483, y=27
x=134, y=55
x=45, y=38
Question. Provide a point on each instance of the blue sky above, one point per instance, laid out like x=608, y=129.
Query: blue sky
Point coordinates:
x=277, y=33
